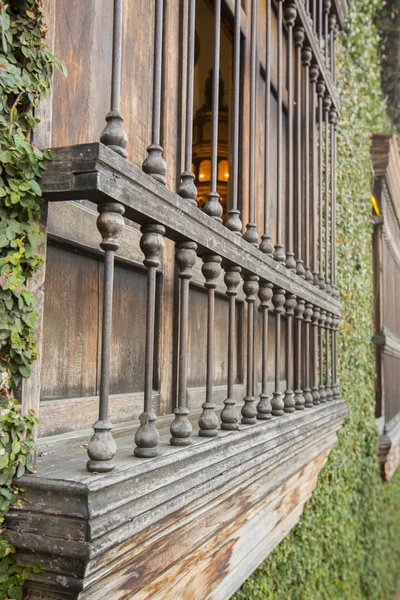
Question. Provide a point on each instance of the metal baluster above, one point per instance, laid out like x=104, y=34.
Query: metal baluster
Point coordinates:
x=277, y=402
x=230, y=414
x=315, y=390
x=314, y=15
x=289, y=400
x=250, y=288
x=279, y=254
x=251, y=234
x=322, y=391
x=321, y=92
x=187, y=188
x=327, y=105
x=101, y=448
x=328, y=358
x=213, y=207
x=266, y=245
x=335, y=382
x=264, y=407
x=114, y=135
x=298, y=392
x=154, y=163
x=208, y=420
x=308, y=399
x=320, y=30
x=233, y=221
x=181, y=428
x=290, y=15
x=327, y=8
x=333, y=122
x=306, y=56
x=152, y=246
x=298, y=41
x=314, y=73
x=333, y=36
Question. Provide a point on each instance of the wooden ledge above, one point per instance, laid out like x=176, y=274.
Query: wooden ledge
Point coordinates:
x=97, y=173
x=91, y=532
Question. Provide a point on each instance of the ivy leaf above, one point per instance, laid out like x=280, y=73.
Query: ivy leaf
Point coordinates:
x=5, y=157
x=35, y=187
x=25, y=370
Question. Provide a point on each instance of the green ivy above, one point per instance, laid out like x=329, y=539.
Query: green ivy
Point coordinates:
x=347, y=543
x=26, y=66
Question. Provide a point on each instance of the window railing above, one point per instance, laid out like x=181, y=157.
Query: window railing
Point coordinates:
x=287, y=269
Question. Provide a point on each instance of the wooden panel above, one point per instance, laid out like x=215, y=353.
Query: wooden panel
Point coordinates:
x=72, y=324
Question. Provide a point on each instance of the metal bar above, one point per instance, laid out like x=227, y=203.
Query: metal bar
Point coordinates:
x=251, y=234
x=277, y=402
x=333, y=123
x=229, y=414
x=306, y=56
x=101, y=448
x=333, y=36
x=298, y=41
x=154, y=163
x=321, y=92
x=308, y=398
x=289, y=400
x=320, y=19
x=152, y=246
x=327, y=105
x=264, y=407
x=328, y=358
x=266, y=245
x=181, y=428
x=279, y=254
x=298, y=392
x=208, y=420
x=233, y=221
x=187, y=188
x=327, y=8
x=322, y=391
x=250, y=288
x=213, y=207
x=114, y=135
x=314, y=73
x=315, y=389
x=290, y=15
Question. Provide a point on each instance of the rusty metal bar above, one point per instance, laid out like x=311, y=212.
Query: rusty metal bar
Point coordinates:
x=327, y=8
x=251, y=234
x=328, y=165
x=321, y=92
x=314, y=73
x=298, y=41
x=233, y=221
x=279, y=253
x=333, y=123
x=306, y=56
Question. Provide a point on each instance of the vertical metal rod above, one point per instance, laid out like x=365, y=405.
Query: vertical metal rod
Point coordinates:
x=315, y=389
x=298, y=40
x=277, y=403
x=213, y=207
x=327, y=8
x=251, y=234
x=290, y=15
x=229, y=414
x=321, y=92
x=250, y=288
x=187, y=188
x=322, y=391
x=101, y=448
x=181, y=428
x=114, y=135
x=266, y=245
x=306, y=58
x=314, y=73
x=289, y=400
x=233, y=221
x=279, y=254
x=264, y=407
x=314, y=15
x=320, y=19
x=208, y=420
x=298, y=392
x=328, y=358
x=152, y=246
x=308, y=398
x=327, y=105
x=333, y=123
x=333, y=35
x=154, y=163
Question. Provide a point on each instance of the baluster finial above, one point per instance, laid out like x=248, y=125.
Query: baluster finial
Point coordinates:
x=101, y=448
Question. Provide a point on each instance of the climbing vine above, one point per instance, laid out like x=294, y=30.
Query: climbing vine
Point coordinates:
x=26, y=66
x=347, y=543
